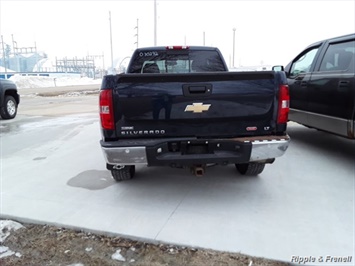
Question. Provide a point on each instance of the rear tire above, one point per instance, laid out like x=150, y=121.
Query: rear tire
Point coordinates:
x=250, y=169
x=125, y=173
x=9, y=110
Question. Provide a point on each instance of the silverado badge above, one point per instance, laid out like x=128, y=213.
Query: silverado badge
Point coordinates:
x=197, y=107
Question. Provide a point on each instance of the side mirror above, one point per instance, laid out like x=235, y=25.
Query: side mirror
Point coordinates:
x=278, y=68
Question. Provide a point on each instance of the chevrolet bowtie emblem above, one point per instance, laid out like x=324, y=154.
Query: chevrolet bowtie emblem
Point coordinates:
x=197, y=107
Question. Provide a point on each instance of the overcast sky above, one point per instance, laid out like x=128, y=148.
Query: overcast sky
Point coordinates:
x=266, y=32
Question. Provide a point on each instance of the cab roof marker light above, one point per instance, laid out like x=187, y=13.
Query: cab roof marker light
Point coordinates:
x=177, y=47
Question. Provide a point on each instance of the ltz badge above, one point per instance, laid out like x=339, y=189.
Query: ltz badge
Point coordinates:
x=197, y=107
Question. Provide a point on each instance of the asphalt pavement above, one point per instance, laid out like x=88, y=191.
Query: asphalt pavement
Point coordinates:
x=302, y=205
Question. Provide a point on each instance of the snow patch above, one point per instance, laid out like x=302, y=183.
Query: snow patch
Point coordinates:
x=23, y=82
x=117, y=256
x=5, y=252
x=6, y=226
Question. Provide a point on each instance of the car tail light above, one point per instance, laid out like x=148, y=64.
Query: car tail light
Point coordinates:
x=106, y=110
x=177, y=47
x=284, y=104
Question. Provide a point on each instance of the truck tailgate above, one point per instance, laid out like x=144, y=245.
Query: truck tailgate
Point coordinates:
x=223, y=104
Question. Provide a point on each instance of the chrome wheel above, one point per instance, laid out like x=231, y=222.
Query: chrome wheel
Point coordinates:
x=11, y=107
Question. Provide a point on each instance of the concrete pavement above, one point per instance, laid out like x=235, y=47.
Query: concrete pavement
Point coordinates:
x=53, y=172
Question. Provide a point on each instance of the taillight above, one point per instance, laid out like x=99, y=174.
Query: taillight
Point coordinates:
x=284, y=104
x=106, y=110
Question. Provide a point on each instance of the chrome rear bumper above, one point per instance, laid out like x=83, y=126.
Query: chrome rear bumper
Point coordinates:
x=260, y=148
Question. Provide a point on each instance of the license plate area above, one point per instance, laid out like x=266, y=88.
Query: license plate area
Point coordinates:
x=190, y=147
x=196, y=148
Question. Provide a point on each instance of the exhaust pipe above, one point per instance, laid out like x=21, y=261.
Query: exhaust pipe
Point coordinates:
x=198, y=170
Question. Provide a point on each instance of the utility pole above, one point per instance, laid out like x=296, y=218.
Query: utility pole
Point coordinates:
x=15, y=48
x=234, y=29
x=136, y=27
x=155, y=22
x=4, y=55
x=111, y=41
x=204, y=39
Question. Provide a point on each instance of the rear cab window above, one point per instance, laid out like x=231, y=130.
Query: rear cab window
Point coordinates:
x=176, y=61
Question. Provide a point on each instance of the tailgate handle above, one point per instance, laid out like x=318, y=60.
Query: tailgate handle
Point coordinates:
x=197, y=90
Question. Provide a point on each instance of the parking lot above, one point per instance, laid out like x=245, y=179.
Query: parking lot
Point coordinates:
x=53, y=171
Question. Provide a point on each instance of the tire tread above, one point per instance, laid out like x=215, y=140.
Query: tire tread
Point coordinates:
x=125, y=173
x=250, y=169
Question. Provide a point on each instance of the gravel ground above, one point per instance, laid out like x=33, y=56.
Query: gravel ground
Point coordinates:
x=50, y=245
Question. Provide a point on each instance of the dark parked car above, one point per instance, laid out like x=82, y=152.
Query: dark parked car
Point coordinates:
x=322, y=88
x=9, y=99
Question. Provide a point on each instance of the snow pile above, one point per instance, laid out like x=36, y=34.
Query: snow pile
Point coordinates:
x=6, y=226
x=43, y=82
x=117, y=256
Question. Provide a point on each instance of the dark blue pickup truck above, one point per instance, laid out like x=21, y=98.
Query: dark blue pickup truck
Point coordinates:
x=181, y=107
